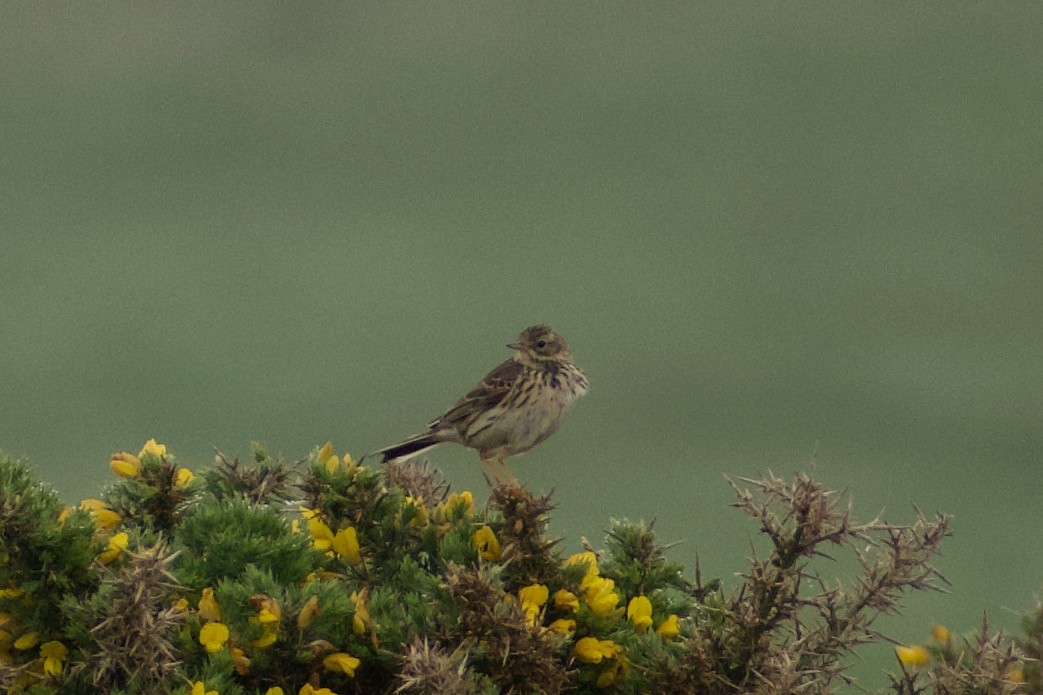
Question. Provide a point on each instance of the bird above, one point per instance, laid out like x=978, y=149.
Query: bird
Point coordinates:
x=517, y=405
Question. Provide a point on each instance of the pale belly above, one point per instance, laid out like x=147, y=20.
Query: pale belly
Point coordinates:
x=509, y=432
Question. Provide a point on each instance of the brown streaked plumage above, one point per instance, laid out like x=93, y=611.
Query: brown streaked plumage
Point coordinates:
x=517, y=405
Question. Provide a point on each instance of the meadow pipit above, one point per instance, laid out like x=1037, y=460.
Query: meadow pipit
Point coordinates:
x=512, y=409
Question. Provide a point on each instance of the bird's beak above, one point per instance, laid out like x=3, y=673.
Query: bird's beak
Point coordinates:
x=514, y=346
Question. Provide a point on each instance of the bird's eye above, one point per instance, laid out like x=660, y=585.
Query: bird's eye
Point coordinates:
x=541, y=344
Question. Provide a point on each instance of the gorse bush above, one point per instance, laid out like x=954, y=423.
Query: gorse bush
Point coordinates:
x=326, y=576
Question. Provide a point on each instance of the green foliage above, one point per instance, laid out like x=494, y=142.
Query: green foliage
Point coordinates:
x=224, y=538
x=43, y=556
x=328, y=574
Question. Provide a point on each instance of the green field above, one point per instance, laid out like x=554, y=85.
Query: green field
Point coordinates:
x=773, y=235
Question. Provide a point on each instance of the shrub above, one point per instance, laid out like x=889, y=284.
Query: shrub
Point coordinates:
x=328, y=576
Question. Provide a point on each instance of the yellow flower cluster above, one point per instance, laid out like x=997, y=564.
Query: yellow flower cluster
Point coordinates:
x=116, y=547
x=417, y=510
x=215, y=635
x=127, y=465
x=361, y=621
x=328, y=458
x=639, y=611
x=53, y=654
x=344, y=543
x=199, y=688
x=591, y=650
x=268, y=616
x=487, y=545
x=600, y=596
x=104, y=518
x=598, y=592
x=532, y=599
x=106, y=521
x=152, y=448
x=455, y=500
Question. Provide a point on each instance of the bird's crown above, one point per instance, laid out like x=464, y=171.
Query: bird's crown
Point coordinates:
x=541, y=343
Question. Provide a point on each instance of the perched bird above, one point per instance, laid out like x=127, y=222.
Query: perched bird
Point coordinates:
x=512, y=409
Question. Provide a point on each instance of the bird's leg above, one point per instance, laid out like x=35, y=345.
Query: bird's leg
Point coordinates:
x=490, y=472
x=508, y=476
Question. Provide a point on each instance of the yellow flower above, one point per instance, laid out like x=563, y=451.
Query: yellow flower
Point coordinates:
x=562, y=625
x=534, y=594
x=341, y=663
x=105, y=518
x=63, y=515
x=53, y=654
x=307, y=689
x=330, y=460
x=10, y=592
x=208, y=608
x=599, y=593
x=639, y=611
x=668, y=628
x=419, y=518
x=488, y=546
x=462, y=499
x=325, y=452
x=308, y=613
x=268, y=610
x=198, y=688
x=361, y=620
x=941, y=634
x=26, y=641
x=184, y=477
x=587, y=558
x=152, y=448
x=213, y=636
x=611, y=675
x=566, y=600
x=268, y=615
x=322, y=536
x=532, y=598
x=913, y=656
x=591, y=650
x=91, y=504
x=346, y=545
x=180, y=604
x=274, y=691
x=267, y=638
x=117, y=544
x=240, y=661
x=125, y=465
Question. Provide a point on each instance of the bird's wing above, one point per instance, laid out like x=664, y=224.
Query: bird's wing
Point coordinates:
x=493, y=387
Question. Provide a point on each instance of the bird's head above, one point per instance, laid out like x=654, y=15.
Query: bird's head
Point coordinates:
x=539, y=344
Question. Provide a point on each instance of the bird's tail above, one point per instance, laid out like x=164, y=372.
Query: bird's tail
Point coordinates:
x=414, y=446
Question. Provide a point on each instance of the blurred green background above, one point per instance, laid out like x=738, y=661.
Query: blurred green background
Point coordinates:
x=776, y=235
